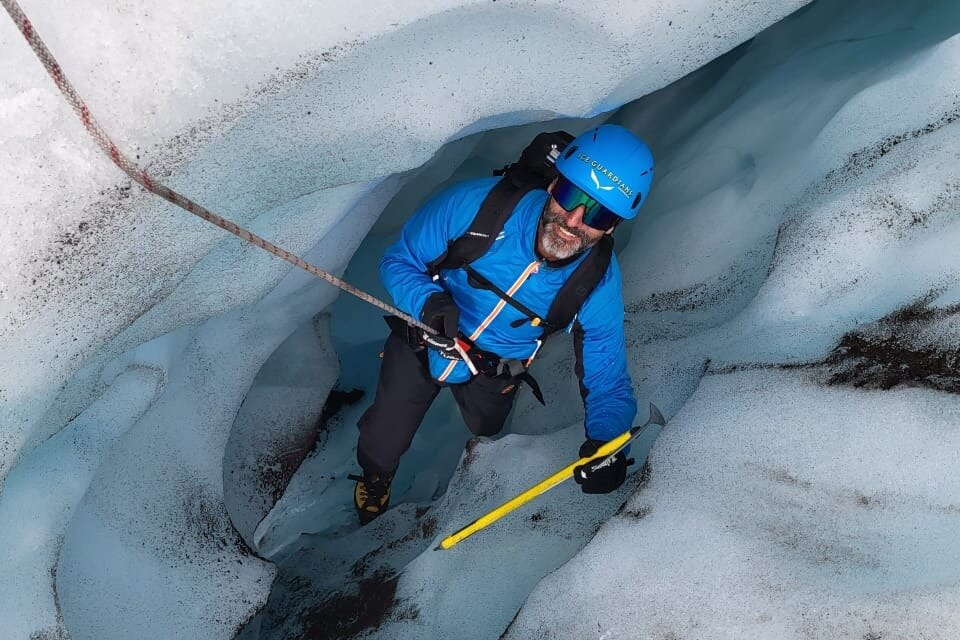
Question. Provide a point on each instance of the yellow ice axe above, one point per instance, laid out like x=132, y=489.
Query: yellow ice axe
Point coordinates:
x=604, y=454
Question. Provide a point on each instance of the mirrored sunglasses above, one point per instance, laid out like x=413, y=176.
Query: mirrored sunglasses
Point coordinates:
x=570, y=196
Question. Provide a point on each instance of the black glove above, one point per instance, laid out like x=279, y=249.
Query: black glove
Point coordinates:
x=604, y=479
x=440, y=313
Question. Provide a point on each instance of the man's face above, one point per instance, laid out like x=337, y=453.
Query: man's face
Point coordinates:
x=562, y=234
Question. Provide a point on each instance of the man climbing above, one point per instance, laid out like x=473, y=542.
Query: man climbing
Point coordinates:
x=501, y=264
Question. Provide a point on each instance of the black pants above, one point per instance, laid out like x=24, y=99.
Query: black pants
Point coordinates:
x=405, y=392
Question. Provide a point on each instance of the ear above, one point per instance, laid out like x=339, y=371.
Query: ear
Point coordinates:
x=610, y=230
x=550, y=186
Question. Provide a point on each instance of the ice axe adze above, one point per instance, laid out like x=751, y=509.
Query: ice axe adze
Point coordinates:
x=601, y=458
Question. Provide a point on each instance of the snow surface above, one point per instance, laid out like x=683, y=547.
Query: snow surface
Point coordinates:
x=160, y=380
x=777, y=508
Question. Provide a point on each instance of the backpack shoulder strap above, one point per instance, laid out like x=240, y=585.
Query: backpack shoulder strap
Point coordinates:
x=578, y=286
x=494, y=211
x=534, y=170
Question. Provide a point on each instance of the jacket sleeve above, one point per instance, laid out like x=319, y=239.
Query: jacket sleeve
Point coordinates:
x=608, y=399
x=424, y=238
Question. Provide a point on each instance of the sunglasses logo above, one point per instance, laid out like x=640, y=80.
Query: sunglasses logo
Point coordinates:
x=595, y=167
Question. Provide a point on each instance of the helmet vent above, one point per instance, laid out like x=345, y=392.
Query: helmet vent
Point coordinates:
x=569, y=152
x=636, y=201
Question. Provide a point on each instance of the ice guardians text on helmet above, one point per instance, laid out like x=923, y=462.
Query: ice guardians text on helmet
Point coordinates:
x=614, y=178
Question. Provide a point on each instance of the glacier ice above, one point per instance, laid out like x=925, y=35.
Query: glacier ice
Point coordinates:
x=800, y=237
x=777, y=508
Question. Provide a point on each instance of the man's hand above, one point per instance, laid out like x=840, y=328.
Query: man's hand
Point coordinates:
x=442, y=314
x=606, y=478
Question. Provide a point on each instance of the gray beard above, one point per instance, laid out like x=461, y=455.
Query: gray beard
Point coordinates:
x=556, y=245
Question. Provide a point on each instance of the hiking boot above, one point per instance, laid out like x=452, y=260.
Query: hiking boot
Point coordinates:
x=371, y=495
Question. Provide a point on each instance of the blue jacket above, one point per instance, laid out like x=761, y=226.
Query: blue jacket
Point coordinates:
x=513, y=265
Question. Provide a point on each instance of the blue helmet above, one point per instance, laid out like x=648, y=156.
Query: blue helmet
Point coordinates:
x=612, y=166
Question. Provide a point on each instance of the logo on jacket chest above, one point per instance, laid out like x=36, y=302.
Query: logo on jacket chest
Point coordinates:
x=500, y=236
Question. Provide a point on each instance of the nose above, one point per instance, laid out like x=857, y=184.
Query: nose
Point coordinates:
x=575, y=217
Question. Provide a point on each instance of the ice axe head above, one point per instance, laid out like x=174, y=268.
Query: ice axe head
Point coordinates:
x=655, y=416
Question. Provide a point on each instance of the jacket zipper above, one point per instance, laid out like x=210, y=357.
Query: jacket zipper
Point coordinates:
x=531, y=269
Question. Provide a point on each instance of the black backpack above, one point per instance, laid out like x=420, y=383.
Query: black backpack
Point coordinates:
x=534, y=170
